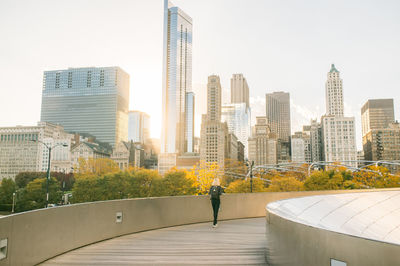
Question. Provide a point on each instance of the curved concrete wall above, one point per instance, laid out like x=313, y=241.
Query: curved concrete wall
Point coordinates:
x=36, y=236
x=294, y=243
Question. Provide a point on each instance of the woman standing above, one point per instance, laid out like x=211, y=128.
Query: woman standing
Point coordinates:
x=215, y=193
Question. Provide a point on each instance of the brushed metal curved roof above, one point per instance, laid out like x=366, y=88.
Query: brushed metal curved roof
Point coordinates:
x=372, y=215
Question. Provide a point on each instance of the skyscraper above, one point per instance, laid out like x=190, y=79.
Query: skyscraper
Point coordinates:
x=334, y=93
x=338, y=132
x=381, y=134
x=301, y=147
x=88, y=100
x=239, y=90
x=177, y=77
x=189, y=130
x=314, y=130
x=376, y=113
x=213, y=131
x=176, y=83
x=263, y=144
x=139, y=126
x=278, y=114
x=278, y=117
x=237, y=116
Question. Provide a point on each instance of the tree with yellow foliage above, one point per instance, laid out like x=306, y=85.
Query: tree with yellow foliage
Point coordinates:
x=324, y=180
x=285, y=183
x=95, y=167
x=205, y=174
x=243, y=186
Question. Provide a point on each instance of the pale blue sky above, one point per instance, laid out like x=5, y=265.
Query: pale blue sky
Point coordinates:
x=277, y=45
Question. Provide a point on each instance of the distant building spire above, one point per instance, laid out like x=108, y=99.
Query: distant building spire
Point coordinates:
x=333, y=69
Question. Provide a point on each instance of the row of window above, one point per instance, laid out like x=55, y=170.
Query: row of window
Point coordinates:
x=18, y=137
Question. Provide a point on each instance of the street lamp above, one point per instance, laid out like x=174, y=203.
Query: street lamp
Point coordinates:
x=250, y=164
x=13, y=204
x=49, y=148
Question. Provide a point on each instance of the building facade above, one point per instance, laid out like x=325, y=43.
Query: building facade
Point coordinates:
x=22, y=149
x=314, y=130
x=237, y=117
x=338, y=132
x=177, y=77
x=239, y=90
x=278, y=118
x=301, y=147
x=380, y=133
x=189, y=130
x=176, y=87
x=339, y=139
x=85, y=150
x=213, y=131
x=376, y=114
x=382, y=143
x=231, y=147
x=138, y=127
x=334, y=93
x=88, y=100
x=263, y=144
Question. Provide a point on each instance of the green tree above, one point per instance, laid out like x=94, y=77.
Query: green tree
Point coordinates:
x=7, y=188
x=22, y=179
x=176, y=183
x=34, y=195
x=85, y=190
x=145, y=183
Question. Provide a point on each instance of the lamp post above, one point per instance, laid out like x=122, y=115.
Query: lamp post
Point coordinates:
x=49, y=148
x=251, y=164
x=12, y=211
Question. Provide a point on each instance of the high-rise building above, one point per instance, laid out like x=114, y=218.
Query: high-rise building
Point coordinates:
x=278, y=118
x=263, y=144
x=376, y=114
x=339, y=139
x=338, y=132
x=237, y=117
x=278, y=114
x=301, y=147
x=189, y=131
x=334, y=93
x=381, y=134
x=138, y=127
x=213, y=131
x=382, y=143
x=231, y=147
x=89, y=100
x=176, y=83
x=239, y=90
x=177, y=77
x=22, y=149
x=314, y=130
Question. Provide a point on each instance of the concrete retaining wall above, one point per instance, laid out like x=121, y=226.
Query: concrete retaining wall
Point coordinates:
x=36, y=236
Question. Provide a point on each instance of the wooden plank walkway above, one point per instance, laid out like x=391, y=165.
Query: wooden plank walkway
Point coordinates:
x=235, y=242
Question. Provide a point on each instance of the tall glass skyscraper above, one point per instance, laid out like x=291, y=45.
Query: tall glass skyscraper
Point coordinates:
x=177, y=77
x=139, y=126
x=88, y=100
x=189, y=136
x=237, y=117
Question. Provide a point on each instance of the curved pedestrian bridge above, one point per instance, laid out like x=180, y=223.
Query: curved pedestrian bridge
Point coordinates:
x=165, y=230
x=240, y=242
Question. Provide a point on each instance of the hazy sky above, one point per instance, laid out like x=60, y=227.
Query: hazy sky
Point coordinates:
x=277, y=45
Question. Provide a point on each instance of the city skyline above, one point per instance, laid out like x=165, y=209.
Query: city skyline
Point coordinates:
x=283, y=60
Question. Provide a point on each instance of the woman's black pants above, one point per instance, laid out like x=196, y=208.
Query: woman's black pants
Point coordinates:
x=215, y=205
